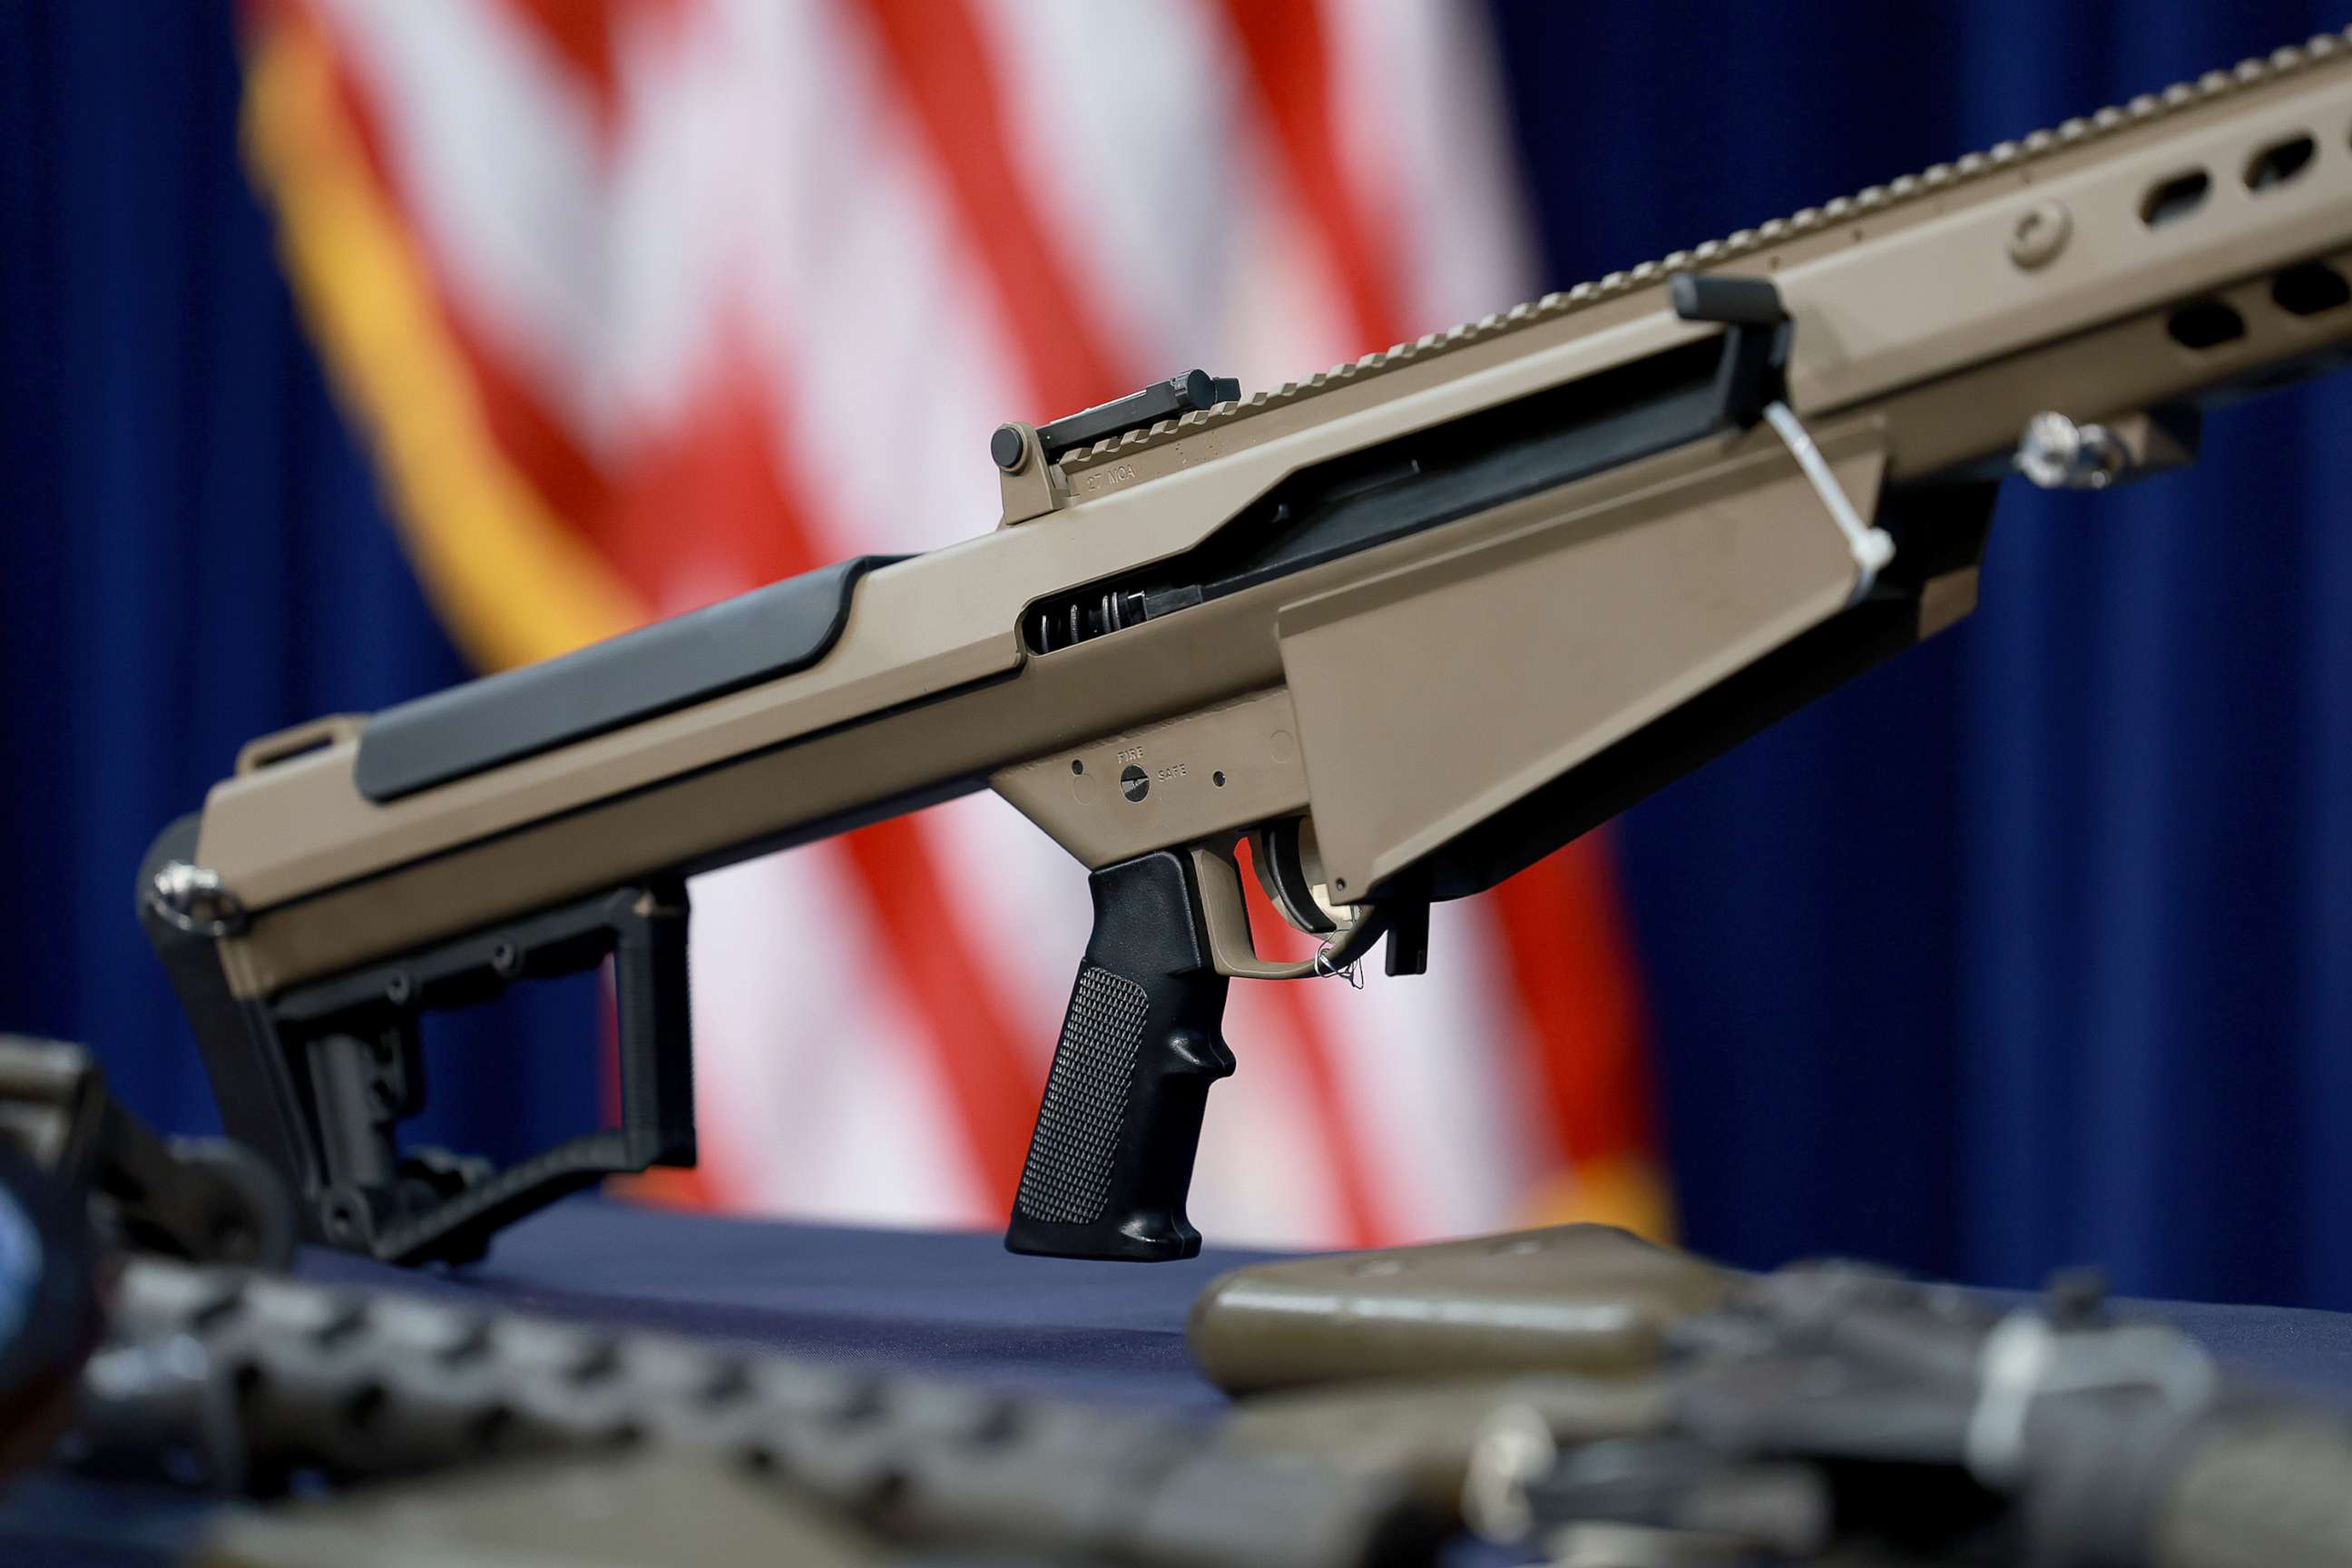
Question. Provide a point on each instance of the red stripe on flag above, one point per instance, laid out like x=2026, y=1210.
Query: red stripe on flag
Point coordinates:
x=943, y=65
x=580, y=37
x=1283, y=45
x=566, y=478
x=1569, y=955
x=579, y=33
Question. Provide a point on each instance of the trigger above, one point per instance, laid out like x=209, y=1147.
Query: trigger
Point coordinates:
x=1281, y=856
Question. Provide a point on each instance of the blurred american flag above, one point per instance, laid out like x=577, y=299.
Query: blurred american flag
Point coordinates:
x=646, y=302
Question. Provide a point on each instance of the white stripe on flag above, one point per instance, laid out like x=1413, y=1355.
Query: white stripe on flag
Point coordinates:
x=494, y=146
x=814, y=1097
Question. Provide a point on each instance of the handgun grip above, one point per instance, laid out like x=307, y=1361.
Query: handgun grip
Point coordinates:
x=1112, y=1156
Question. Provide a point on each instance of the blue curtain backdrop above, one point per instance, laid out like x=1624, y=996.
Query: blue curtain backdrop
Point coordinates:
x=2033, y=947
x=2036, y=944
x=195, y=552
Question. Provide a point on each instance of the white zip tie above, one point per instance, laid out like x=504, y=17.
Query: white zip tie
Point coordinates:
x=1870, y=547
x=1351, y=971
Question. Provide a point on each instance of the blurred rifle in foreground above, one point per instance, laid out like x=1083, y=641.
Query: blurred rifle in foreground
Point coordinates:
x=1405, y=627
x=531, y=1440
x=1634, y=1405
x=1624, y=1404
x=247, y=1384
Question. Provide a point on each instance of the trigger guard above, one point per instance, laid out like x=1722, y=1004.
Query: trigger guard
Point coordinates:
x=1226, y=917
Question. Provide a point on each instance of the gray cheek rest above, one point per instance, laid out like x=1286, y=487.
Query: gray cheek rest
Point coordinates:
x=518, y=713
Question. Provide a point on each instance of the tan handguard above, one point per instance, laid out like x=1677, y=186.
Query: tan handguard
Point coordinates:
x=1591, y=1300
x=1408, y=1359
x=1404, y=628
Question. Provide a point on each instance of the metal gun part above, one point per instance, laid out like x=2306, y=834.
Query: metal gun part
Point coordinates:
x=207, y=1200
x=353, y=1384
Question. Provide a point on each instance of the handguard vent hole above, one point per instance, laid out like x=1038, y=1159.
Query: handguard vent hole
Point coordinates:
x=2174, y=198
x=2206, y=324
x=1077, y=766
x=2310, y=289
x=1217, y=779
x=2279, y=162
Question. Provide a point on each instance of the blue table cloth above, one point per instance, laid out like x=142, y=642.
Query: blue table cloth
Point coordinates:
x=956, y=1304
x=960, y=1305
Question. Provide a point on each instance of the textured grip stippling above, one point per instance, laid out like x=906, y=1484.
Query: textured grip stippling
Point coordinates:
x=1140, y=1044
x=1067, y=1178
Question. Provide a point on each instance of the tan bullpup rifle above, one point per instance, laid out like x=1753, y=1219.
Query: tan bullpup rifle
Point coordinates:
x=1405, y=626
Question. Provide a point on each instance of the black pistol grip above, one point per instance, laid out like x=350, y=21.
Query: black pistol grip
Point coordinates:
x=1112, y=1156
